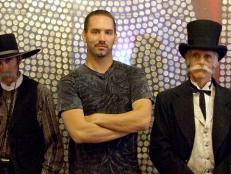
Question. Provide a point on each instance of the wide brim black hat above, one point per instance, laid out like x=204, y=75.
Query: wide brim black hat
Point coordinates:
x=203, y=34
x=9, y=48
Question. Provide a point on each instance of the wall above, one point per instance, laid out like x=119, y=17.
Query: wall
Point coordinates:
x=149, y=34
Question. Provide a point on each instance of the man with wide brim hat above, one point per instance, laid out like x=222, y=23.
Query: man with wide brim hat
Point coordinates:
x=191, y=132
x=9, y=50
x=30, y=141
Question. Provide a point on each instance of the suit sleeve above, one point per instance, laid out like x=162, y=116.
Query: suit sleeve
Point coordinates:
x=161, y=148
x=53, y=153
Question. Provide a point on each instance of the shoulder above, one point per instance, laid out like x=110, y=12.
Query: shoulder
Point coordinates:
x=28, y=80
x=77, y=71
x=43, y=90
x=223, y=89
x=173, y=93
x=74, y=73
x=166, y=95
x=120, y=65
x=128, y=69
x=223, y=92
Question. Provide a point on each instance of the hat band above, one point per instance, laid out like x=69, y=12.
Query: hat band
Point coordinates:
x=8, y=52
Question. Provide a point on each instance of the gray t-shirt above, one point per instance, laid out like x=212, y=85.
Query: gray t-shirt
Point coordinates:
x=112, y=92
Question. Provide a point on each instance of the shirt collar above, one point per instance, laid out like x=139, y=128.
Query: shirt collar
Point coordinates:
x=206, y=87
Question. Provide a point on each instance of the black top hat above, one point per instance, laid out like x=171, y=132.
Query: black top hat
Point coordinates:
x=9, y=48
x=203, y=34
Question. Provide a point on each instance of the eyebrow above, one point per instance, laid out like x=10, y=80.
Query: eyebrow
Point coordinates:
x=104, y=29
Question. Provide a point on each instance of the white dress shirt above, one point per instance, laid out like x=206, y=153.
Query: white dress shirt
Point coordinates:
x=202, y=158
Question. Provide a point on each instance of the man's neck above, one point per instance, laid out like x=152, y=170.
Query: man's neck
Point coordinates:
x=100, y=65
x=201, y=83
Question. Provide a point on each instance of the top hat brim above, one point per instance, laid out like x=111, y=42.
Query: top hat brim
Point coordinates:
x=220, y=49
x=24, y=55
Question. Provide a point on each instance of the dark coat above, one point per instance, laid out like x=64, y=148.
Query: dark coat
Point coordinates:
x=173, y=131
x=26, y=139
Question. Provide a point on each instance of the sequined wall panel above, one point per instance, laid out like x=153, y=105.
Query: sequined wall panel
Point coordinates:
x=149, y=33
x=225, y=63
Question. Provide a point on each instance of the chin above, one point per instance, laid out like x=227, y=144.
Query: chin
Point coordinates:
x=101, y=55
x=7, y=81
x=202, y=78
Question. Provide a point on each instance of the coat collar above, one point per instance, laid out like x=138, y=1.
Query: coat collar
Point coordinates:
x=183, y=107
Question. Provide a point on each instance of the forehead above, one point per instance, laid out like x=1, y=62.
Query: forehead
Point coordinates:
x=200, y=51
x=100, y=22
x=8, y=59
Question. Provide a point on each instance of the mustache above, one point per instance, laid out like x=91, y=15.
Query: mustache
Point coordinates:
x=8, y=75
x=101, y=45
x=200, y=67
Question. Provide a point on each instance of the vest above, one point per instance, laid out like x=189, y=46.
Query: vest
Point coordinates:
x=26, y=138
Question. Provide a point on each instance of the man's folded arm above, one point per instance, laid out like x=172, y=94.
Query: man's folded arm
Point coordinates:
x=138, y=119
x=83, y=131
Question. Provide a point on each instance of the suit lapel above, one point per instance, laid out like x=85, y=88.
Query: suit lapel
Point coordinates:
x=183, y=108
x=221, y=116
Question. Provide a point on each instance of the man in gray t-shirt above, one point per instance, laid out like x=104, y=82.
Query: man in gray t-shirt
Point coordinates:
x=103, y=104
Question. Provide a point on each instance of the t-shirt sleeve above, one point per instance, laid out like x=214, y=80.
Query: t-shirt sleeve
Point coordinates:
x=68, y=97
x=139, y=85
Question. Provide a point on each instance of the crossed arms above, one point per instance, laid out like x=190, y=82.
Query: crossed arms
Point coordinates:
x=100, y=127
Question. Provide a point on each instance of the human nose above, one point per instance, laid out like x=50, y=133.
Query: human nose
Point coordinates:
x=201, y=60
x=102, y=36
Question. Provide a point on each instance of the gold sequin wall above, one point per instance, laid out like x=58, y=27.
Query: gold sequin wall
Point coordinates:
x=149, y=33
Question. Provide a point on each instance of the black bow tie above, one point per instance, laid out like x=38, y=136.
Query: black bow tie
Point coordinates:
x=201, y=98
x=195, y=90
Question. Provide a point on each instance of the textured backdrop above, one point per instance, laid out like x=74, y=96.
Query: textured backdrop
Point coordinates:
x=149, y=32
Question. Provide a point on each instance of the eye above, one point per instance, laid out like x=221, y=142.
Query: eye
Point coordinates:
x=94, y=31
x=109, y=32
x=196, y=55
x=207, y=56
x=8, y=60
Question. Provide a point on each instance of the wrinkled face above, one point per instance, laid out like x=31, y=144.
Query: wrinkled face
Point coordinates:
x=100, y=36
x=9, y=69
x=201, y=64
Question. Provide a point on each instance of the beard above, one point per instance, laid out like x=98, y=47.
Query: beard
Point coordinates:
x=7, y=75
x=99, y=50
x=200, y=68
x=102, y=52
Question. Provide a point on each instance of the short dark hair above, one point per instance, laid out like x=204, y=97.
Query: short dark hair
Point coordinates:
x=99, y=12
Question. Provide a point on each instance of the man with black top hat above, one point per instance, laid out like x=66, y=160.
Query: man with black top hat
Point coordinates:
x=192, y=128
x=30, y=141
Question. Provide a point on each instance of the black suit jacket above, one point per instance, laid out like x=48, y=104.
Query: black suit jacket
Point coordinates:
x=173, y=130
